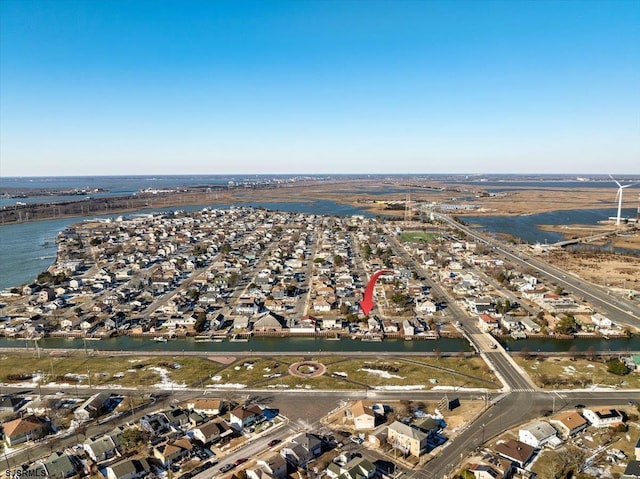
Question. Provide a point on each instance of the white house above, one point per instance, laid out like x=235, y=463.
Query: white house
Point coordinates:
x=603, y=417
x=362, y=416
x=600, y=321
x=538, y=434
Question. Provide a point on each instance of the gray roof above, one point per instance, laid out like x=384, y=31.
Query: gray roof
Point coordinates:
x=632, y=471
x=100, y=445
x=409, y=431
x=59, y=465
x=540, y=430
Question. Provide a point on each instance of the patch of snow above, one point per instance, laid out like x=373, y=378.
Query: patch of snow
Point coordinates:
x=400, y=388
x=344, y=375
x=165, y=382
x=379, y=372
x=216, y=378
x=227, y=385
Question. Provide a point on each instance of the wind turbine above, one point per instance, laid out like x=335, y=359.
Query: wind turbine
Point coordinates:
x=619, y=196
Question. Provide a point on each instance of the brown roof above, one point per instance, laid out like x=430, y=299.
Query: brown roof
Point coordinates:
x=516, y=450
x=206, y=403
x=571, y=419
x=359, y=409
x=22, y=425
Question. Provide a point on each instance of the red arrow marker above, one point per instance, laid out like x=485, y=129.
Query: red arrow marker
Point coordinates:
x=367, y=303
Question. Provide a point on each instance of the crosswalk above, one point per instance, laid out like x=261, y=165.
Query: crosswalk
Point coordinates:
x=524, y=390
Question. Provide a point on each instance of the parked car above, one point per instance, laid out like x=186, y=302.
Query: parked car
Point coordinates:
x=357, y=439
x=227, y=467
x=242, y=460
x=273, y=442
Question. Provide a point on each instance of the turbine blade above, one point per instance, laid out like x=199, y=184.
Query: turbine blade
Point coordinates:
x=616, y=181
x=626, y=186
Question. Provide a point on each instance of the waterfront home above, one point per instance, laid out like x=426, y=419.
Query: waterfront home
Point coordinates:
x=407, y=439
x=23, y=429
x=603, y=417
x=518, y=452
x=268, y=321
x=568, y=423
x=331, y=323
x=487, y=323
x=539, y=433
x=389, y=326
x=530, y=325
x=407, y=328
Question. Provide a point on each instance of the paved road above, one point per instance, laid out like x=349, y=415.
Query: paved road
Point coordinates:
x=618, y=309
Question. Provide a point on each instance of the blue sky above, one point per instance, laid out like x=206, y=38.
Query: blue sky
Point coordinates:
x=206, y=87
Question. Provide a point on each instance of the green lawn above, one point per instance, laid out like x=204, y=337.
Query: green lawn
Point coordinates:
x=418, y=237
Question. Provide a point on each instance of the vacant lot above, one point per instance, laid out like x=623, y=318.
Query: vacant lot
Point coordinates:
x=566, y=373
x=343, y=372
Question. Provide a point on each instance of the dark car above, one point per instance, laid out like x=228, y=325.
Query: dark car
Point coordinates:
x=242, y=460
x=273, y=442
x=227, y=467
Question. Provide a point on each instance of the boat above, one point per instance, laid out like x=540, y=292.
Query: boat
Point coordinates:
x=160, y=339
x=334, y=338
x=91, y=338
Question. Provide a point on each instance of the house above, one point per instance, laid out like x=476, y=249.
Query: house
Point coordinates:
x=428, y=425
x=208, y=406
x=242, y=417
x=212, y=431
x=568, y=423
x=321, y=306
x=603, y=417
x=632, y=471
x=268, y=322
x=356, y=468
x=23, y=429
x=496, y=469
x=637, y=450
x=155, y=423
x=101, y=448
x=171, y=452
x=537, y=434
x=426, y=307
x=95, y=406
x=11, y=403
x=128, y=469
x=275, y=466
x=530, y=325
x=60, y=466
x=302, y=449
x=177, y=417
x=408, y=440
x=600, y=321
x=516, y=451
x=487, y=323
x=362, y=416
